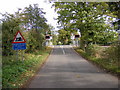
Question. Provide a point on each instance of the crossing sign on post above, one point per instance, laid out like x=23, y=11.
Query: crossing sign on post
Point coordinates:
x=19, y=38
x=19, y=43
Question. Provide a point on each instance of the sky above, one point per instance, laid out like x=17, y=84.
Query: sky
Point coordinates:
x=12, y=6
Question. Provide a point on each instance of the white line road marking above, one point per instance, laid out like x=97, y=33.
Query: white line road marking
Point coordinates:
x=62, y=50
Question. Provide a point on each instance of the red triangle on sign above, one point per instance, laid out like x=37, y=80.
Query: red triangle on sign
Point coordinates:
x=19, y=38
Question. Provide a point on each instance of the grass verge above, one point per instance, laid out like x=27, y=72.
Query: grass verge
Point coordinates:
x=105, y=64
x=15, y=73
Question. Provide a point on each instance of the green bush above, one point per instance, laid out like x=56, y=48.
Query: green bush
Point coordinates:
x=34, y=41
x=106, y=57
x=113, y=53
x=94, y=50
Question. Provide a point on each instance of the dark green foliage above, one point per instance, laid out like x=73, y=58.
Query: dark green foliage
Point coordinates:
x=34, y=41
x=64, y=37
x=89, y=19
x=9, y=28
x=115, y=9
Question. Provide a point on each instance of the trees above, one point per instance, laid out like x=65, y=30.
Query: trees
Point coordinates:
x=10, y=25
x=64, y=37
x=34, y=17
x=114, y=8
x=87, y=17
x=31, y=22
x=35, y=20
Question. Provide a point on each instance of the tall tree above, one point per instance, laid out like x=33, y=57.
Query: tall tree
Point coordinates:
x=31, y=22
x=10, y=25
x=64, y=37
x=115, y=9
x=35, y=20
x=35, y=17
x=87, y=17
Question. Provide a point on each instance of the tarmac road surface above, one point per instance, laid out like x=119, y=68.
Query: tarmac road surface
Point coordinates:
x=66, y=69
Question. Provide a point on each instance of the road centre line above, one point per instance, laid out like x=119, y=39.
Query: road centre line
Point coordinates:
x=62, y=50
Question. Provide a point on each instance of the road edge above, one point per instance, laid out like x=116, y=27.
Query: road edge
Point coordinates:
x=27, y=83
x=96, y=65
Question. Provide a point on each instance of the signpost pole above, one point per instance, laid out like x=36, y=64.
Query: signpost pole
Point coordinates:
x=77, y=42
x=16, y=55
x=23, y=56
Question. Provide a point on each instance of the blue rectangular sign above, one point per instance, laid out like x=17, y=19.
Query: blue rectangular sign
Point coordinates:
x=19, y=46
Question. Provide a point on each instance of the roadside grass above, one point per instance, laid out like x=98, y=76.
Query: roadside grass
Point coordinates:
x=15, y=73
x=105, y=63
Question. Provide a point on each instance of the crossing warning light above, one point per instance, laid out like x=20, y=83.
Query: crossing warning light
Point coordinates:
x=47, y=37
x=77, y=36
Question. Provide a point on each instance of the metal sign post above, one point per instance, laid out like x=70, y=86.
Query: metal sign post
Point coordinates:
x=77, y=36
x=72, y=37
x=17, y=55
x=23, y=56
x=77, y=43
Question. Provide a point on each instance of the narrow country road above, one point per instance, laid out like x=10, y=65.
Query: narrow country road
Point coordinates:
x=66, y=69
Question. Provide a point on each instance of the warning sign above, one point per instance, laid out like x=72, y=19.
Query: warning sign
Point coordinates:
x=19, y=38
